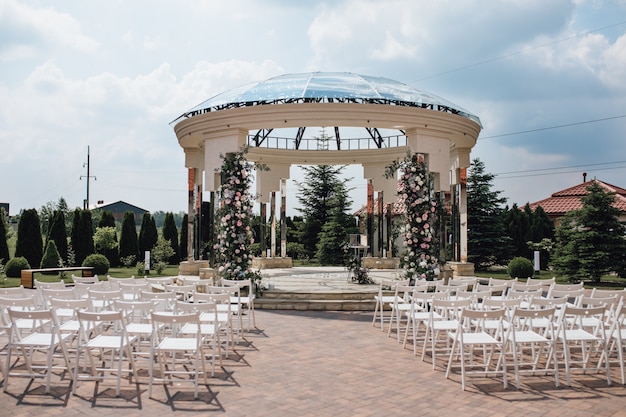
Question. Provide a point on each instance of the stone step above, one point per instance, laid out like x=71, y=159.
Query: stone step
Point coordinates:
x=331, y=301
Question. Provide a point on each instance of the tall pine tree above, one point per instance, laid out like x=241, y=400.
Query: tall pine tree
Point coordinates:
x=148, y=234
x=4, y=247
x=129, y=245
x=590, y=241
x=57, y=232
x=334, y=233
x=184, y=236
x=29, y=240
x=488, y=242
x=170, y=232
x=317, y=193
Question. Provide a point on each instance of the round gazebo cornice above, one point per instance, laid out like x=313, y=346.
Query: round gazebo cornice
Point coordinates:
x=193, y=131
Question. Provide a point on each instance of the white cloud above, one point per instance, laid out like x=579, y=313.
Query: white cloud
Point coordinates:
x=393, y=49
x=44, y=26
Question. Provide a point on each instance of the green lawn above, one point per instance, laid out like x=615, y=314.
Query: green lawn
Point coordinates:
x=114, y=272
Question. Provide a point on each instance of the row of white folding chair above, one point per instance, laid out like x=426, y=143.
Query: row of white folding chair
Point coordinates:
x=383, y=300
x=486, y=327
x=103, y=343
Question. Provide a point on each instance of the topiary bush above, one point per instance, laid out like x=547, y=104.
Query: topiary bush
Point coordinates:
x=99, y=262
x=13, y=268
x=50, y=257
x=520, y=268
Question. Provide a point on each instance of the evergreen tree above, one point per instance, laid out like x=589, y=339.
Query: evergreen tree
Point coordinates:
x=51, y=256
x=590, y=241
x=4, y=247
x=57, y=232
x=335, y=231
x=321, y=185
x=83, y=245
x=148, y=234
x=170, y=232
x=75, y=237
x=29, y=240
x=107, y=219
x=541, y=226
x=517, y=225
x=129, y=245
x=488, y=243
x=184, y=236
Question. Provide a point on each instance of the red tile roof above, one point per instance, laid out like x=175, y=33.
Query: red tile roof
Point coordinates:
x=566, y=200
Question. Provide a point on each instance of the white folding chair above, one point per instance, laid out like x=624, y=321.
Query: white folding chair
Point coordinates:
x=114, y=283
x=579, y=342
x=443, y=318
x=177, y=353
x=58, y=293
x=105, y=347
x=132, y=291
x=525, y=339
x=163, y=301
x=401, y=305
x=49, y=342
x=469, y=336
x=183, y=292
x=224, y=315
x=419, y=315
x=617, y=337
x=245, y=301
x=138, y=325
x=209, y=326
x=103, y=300
x=85, y=280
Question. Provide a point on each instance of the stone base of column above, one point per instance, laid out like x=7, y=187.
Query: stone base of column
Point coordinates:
x=380, y=263
x=192, y=267
x=271, y=263
x=461, y=269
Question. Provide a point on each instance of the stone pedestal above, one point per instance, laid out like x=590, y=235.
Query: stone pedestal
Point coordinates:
x=272, y=263
x=380, y=263
x=461, y=269
x=192, y=267
x=208, y=273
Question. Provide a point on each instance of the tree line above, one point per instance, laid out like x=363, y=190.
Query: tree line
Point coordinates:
x=67, y=238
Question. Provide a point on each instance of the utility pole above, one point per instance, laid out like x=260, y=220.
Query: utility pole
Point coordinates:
x=88, y=176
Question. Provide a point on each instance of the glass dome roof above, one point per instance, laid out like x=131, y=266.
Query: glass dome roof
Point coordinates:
x=325, y=87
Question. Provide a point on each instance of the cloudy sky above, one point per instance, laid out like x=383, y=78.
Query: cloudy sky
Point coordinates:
x=546, y=77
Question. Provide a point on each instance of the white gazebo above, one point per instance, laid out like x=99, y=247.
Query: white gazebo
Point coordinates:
x=371, y=121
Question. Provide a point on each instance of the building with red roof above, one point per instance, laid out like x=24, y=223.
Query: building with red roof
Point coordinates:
x=569, y=199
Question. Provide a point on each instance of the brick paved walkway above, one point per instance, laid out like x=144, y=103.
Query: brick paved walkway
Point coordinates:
x=328, y=364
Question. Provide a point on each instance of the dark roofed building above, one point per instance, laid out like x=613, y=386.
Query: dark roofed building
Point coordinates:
x=567, y=200
x=119, y=208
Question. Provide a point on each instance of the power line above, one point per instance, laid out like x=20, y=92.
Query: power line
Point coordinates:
x=553, y=173
x=554, y=127
x=567, y=167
